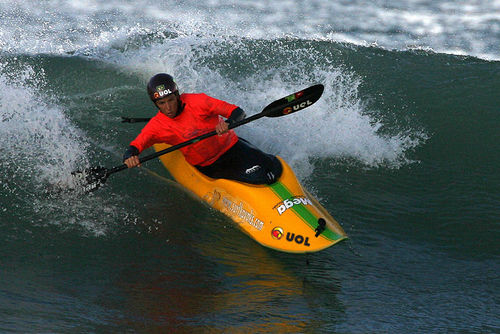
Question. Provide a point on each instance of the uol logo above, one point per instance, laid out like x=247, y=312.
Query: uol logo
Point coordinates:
x=161, y=91
x=296, y=107
x=277, y=233
x=298, y=239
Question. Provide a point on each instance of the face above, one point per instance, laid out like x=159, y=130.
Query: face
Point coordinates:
x=168, y=105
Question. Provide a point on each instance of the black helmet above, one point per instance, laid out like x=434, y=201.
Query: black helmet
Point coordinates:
x=160, y=86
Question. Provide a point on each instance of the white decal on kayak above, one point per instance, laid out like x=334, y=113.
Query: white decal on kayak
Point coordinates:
x=252, y=169
x=238, y=210
x=290, y=202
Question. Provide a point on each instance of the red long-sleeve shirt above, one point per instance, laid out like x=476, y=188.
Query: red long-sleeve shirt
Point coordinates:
x=200, y=115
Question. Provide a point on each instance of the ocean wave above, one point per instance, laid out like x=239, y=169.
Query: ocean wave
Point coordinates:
x=91, y=27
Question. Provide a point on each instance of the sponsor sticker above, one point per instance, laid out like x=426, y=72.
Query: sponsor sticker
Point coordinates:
x=298, y=239
x=295, y=96
x=281, y=207
x=239, y=211
x=252, y=169
x=161, y=91
x=296, y=107
x=277, y=233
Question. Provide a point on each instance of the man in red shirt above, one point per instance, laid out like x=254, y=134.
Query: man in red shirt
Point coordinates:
x=185, y=116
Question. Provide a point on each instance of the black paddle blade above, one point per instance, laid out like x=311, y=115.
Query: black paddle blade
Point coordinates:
x=90, y=179
x=295, y=102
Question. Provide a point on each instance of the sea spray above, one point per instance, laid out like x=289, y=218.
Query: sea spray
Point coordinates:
x=91, y=28
x=40, y=148
x=38, y=140
x=253, y=73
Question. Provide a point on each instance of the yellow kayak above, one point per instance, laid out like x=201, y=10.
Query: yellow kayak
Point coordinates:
x=282, y=216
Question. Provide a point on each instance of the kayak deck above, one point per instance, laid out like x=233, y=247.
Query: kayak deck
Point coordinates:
x=282, y=216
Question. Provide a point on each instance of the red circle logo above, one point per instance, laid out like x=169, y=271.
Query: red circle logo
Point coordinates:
x=277, y=233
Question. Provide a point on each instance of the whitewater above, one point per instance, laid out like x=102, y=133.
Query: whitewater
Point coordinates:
x=401, y=149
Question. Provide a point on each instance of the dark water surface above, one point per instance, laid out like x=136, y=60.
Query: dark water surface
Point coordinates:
x=402, y=149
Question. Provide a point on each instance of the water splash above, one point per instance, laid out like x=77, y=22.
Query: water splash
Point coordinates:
x=40, y=148
x=252, y=73
x=91, y=27
x=39, y=142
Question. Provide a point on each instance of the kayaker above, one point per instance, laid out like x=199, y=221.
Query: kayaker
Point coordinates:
x=184, y=116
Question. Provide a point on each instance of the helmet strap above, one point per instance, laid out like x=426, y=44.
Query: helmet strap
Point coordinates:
x=180, y=105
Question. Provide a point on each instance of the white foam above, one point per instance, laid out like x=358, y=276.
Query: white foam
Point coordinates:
x=38, y=141
x=40, y=148
x=339, y=125
x=94, y=26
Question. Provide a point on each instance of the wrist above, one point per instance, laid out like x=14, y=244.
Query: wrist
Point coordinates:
x=130, y=152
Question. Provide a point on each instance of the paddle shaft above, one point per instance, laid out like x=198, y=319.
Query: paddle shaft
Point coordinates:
x=96, y=176
x=134, y=120
x=195, y=139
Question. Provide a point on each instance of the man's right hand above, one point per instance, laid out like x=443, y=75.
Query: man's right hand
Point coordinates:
x=131, y=157
x=133, y=161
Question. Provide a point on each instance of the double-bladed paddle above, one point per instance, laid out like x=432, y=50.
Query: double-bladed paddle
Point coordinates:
x=92, y=178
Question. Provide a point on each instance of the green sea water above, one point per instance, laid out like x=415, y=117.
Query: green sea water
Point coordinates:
x=402, y=149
